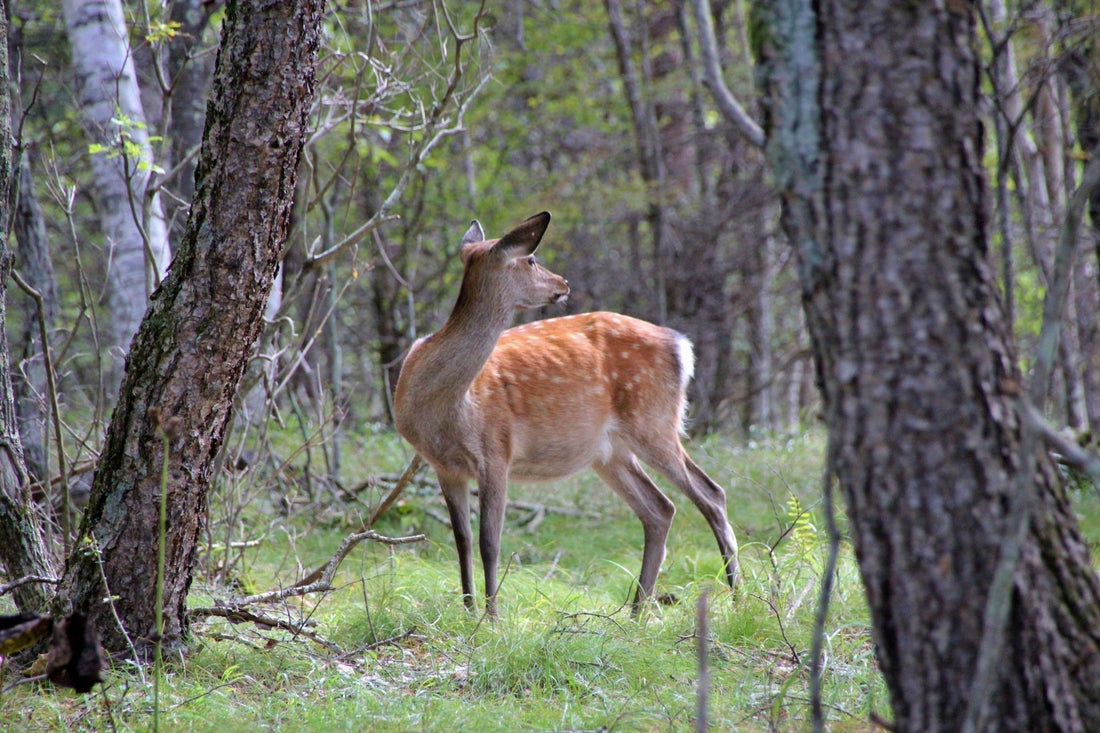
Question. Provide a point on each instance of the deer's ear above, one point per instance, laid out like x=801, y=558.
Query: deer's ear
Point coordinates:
x=525, y=238
x=473, y=234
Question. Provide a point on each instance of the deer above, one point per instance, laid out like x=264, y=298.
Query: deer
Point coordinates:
x=481, y=401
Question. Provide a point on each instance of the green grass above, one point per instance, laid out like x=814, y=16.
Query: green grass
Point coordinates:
x=401, y=653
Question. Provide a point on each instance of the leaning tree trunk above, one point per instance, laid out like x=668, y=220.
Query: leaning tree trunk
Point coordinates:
x=877, y=143
x=202, y=327
x=22, y=551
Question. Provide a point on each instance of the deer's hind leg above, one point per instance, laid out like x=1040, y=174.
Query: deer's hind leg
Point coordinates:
x=672, y=461
x=627, y=479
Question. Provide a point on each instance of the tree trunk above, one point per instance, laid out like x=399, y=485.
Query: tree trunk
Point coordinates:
x=22, y=551
x=877, y=143
x=202, y=327
x=650, y=156
x=29, y=380
x=189, y=70
x=132, y=222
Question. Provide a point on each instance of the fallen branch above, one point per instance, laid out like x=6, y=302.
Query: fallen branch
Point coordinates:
x=243, y=615
x=531, y=506
x=320, y=580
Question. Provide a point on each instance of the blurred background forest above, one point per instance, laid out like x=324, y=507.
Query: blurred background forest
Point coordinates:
x=597, y=112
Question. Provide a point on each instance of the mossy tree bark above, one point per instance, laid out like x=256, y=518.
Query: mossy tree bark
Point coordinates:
x=876, y=140
x=202, y=327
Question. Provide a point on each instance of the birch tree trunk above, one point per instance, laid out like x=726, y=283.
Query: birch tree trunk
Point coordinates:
x=136, y=238
x=201, y=329
x=877, y=143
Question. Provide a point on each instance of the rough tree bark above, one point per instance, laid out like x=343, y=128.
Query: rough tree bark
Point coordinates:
x=201, y=328
x=877, y=143
x=22, y=551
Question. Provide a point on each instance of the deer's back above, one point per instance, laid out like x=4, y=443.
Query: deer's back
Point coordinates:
x=563, y=390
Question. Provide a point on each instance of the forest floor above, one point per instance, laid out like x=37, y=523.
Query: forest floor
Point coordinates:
x=391, y=647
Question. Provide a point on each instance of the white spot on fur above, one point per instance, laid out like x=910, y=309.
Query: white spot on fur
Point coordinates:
x=603, y=445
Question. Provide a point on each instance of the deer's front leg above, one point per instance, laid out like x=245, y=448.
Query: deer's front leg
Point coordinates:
x=458, y=506
x=492, y=498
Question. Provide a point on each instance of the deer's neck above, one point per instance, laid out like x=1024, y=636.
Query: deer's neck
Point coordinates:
x=449, y=360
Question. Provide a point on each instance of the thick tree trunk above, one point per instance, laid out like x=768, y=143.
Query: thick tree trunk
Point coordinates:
x=132, y=222
x=202, y=326
x=22, y=551
x=878, y=144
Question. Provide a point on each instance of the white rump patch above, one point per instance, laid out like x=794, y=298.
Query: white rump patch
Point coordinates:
x=686, y=356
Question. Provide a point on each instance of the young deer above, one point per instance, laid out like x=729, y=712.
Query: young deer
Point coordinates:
x=538, y=402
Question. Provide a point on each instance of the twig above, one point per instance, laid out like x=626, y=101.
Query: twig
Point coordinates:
x=782, y=630
x=1071, y=453
x=394, y=640
x=701, y=633
x=432, y=134
x=54, y=407
x=406, y=477
x=9, y=587
x=821, y=613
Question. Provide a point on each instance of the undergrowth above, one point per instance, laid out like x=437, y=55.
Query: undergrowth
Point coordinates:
x=393, y=648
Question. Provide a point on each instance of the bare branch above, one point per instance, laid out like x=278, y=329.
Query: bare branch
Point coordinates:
x=1071, y=453
x=9, y=587
x=727, y=103
x=406, y=477
x=320, y=580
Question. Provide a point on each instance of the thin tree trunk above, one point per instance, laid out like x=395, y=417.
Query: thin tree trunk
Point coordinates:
x=201, y=330
x=22, y=551
x=878, y=146
x=30, y=384
x=189, y=71
x=29, y=381
x=647, y=140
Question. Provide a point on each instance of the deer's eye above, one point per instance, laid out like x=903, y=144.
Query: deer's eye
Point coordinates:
x=531, y=260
